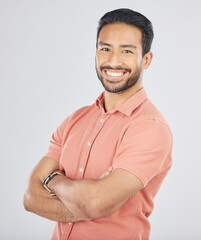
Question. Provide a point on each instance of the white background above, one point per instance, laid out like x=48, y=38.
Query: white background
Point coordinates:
x=47, y=51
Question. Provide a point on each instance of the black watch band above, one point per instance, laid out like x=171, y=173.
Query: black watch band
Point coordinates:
x=48, y=179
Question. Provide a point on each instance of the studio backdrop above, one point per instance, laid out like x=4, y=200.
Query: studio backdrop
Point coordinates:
x=47, y=71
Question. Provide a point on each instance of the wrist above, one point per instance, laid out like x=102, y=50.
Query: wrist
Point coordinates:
x=56, y=179
x=47, y=181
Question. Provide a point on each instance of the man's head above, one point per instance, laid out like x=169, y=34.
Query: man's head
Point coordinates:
x=133, y=18
x=123, y=49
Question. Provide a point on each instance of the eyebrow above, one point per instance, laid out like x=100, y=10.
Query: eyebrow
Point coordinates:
x=104, y=43
x=128, y=46
x=123, y=45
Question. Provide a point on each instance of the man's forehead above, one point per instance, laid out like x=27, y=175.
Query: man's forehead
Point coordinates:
x=120, y=32
x=120, y=26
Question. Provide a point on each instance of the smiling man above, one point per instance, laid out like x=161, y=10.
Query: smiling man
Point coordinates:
x=106, y=162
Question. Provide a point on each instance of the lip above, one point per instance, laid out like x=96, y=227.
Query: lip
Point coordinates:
x=114, y=78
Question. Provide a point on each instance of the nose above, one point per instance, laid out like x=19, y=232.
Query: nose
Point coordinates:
x=114, y=60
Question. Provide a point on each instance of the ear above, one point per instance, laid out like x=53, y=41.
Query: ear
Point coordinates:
x=146, y=61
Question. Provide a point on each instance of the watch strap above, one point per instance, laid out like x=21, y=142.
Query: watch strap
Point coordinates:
x=48, y=179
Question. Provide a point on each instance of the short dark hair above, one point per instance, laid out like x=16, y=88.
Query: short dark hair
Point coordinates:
x=128, y=16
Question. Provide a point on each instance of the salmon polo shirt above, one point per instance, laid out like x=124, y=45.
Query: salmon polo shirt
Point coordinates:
x=92, y=142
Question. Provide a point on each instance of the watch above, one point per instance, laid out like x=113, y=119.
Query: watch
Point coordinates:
x=48, y=179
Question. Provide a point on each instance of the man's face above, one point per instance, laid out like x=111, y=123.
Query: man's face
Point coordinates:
x=119, y=57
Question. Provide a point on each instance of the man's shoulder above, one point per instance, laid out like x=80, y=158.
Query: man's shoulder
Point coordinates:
x=151, y=112
x=79, y=113
x=82, y=111
x=148, y=112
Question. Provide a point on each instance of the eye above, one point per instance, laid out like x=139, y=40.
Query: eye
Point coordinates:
x=105, y=49
x=127, y=51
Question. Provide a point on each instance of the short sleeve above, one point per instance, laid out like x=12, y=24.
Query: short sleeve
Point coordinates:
x=56, y=142
x=145, y=150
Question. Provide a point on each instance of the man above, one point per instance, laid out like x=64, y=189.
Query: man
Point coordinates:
x=106, y=162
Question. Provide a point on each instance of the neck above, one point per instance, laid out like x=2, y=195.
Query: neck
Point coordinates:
x=113, y=100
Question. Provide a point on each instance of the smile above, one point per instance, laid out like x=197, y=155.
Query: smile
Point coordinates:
x=114, y=74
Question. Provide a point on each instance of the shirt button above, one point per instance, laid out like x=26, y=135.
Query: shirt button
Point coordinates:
x=69, y=223
x=81, y=169
x=89, y=143
x=101, y=120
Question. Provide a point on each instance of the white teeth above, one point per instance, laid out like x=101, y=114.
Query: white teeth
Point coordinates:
x=115, y=74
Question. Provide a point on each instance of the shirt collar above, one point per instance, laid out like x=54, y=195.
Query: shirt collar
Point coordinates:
x=129, y=105
x=100, y=101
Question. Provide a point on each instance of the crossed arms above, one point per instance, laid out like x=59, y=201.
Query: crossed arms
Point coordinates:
x=77, y=200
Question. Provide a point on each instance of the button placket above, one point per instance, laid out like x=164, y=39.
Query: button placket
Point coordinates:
x=99, y=125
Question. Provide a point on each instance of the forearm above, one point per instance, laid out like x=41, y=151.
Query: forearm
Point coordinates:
x=73, y=195
x=86, y=198
x=89, y=199
x=40, y=202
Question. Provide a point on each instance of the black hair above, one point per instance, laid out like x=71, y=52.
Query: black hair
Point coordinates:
x=128, y=16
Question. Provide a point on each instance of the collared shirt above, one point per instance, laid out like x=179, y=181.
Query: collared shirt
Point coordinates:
x=92, y=142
